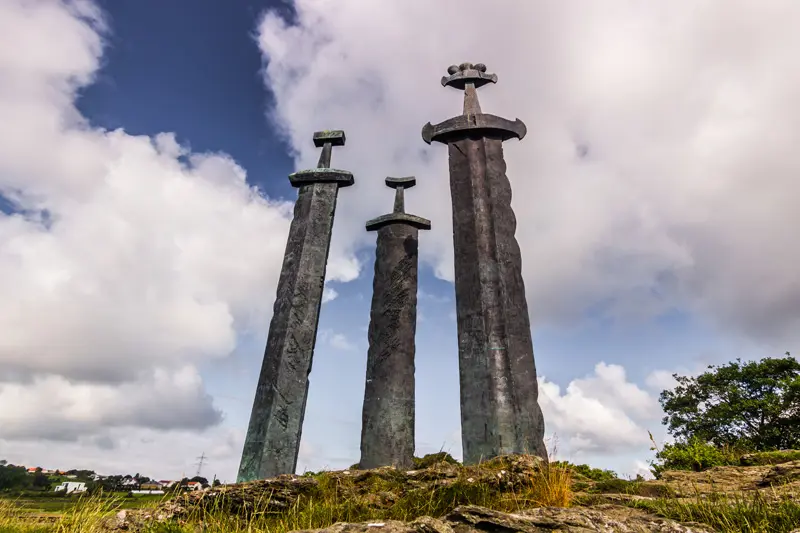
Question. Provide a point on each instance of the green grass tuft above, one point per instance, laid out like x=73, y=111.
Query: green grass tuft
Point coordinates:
x=730, y=513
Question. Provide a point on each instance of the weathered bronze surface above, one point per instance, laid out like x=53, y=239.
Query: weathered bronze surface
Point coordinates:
x=500, y=413
x=387, y=429
x=276, y=421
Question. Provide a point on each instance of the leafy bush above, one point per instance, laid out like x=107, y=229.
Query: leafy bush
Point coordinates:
x=14, y=477
x=752, y=404
x=432, y=458
x=595, y=474
x=694, y=454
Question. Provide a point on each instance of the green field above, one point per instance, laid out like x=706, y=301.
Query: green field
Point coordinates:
x=60, y=504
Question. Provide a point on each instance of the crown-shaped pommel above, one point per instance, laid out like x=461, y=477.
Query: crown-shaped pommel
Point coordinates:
x=461, y=75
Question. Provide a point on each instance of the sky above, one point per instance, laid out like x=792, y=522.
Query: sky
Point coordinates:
x=144, y=154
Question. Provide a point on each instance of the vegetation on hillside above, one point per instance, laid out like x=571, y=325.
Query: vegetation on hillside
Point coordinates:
x=737, y=417
x=17, y=481
x=753, y=406
x=722, y=416
x=359, y=496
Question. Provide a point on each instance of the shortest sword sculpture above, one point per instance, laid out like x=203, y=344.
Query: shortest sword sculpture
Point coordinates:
x=276, y=422
x=387, y=430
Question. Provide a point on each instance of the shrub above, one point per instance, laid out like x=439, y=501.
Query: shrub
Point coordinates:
x=694, y=454
x=595, y=474
x=432, y=458
x=754, y=402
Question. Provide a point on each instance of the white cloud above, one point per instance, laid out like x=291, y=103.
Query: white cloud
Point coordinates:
x=661, y=380
x=684, y=112
x=128, y=451
x=339, y=341
x=641, y=468
x=328, y=295
x=424, y=295
x=601, y=414
x=129, y=260
x=53, y=408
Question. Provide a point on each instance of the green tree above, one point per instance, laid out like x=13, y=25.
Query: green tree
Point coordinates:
x=41, y=481
x=753, y=405
x=14, y=477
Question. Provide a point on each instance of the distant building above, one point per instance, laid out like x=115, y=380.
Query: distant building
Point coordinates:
x=71, y=486
x=194, y=485
x=154, y=485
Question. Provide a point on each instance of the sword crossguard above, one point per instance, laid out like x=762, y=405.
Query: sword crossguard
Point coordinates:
x=324, y=173
x=399, y=215
x=405, y=183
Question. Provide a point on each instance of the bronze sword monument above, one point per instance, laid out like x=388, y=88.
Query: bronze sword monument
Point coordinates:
x=276, y=421
x=387, y=428
x=500, y=412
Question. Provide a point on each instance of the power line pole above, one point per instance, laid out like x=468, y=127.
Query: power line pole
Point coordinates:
x=200, y=462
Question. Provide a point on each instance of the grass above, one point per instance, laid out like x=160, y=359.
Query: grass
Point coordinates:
x=633, y=487
x=60, y=504
x=387, y=495
x=335, y=498
x=769, y=458
x=730, y=513
x=381, y=496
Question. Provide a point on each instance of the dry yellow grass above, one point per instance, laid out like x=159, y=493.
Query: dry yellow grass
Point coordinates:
x=338, y=499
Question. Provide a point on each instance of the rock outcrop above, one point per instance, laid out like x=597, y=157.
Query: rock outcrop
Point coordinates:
x=473, y=519
x=494, y=497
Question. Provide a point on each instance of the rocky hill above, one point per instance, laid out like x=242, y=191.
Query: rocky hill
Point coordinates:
x=503, y=495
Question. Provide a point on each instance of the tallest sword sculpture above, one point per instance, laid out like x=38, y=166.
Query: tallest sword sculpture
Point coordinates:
x=500, y=413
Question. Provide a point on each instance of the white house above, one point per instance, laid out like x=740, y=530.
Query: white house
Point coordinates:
x=71, y=486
